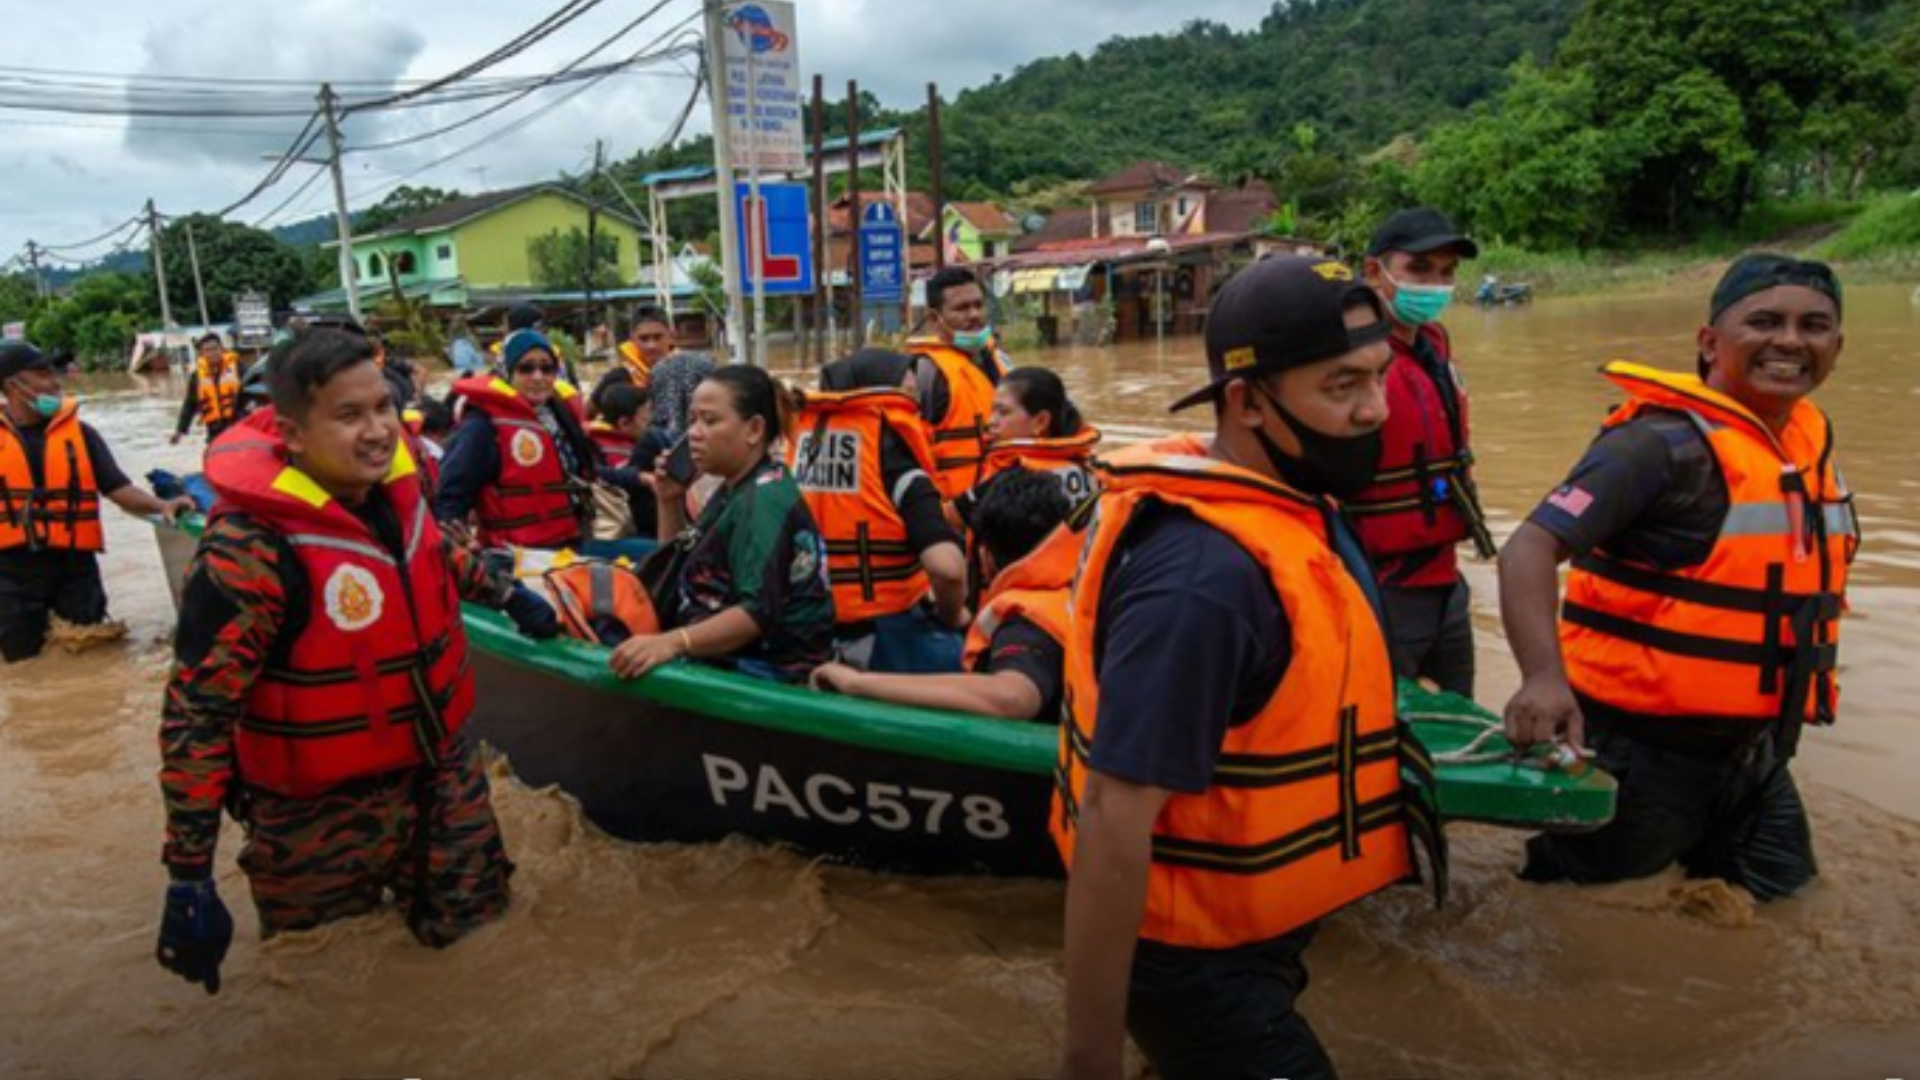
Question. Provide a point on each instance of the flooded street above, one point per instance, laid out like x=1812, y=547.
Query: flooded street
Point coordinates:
x=732, y=960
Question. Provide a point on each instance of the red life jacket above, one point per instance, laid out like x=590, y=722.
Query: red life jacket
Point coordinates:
x=532, y=502
x=378, y=678
x=1414, y=505
x=615, y=446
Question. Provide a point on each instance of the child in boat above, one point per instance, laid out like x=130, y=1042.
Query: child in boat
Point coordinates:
x=1015, y=652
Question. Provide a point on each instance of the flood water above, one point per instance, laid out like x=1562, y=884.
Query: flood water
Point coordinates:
x=733, y=960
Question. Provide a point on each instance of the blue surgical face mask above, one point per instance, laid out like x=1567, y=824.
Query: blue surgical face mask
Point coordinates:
x=46, y=404
x=1418, y=305
x=973, y=339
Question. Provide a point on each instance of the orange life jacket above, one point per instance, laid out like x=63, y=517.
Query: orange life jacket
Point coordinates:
x=636, y=365
x=532, y=502
x=1037, y=589
x=960, y=437
x=835, y=458
x=1422, y=497
x=219, y=391
x=1306, y=813
x=591, y=589
x=1751, y=632
x=1066, y=459
x=378, y=678
x=60, y=509
x=616, y=446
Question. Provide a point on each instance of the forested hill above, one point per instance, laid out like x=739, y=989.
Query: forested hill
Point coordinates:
x=1359, y=71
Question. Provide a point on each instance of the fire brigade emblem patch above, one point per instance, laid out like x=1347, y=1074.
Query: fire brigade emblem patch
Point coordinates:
x=354, y=599
x=527, y=449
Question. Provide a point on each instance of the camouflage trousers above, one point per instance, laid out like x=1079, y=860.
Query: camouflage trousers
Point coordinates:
x=353, y=849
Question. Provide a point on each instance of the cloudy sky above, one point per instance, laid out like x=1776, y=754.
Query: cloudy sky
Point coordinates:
x=68, y=178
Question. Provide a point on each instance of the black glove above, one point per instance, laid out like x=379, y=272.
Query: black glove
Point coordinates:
x=531, y=615
x=195, y=933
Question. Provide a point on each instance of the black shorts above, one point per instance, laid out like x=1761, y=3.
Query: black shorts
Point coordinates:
x=1733, y=814
x=36, y=585
x=1225, y=1015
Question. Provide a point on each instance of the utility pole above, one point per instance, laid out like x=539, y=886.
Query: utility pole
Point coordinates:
x=759, y=221
x=39, y=279
x=159, y=266
x=593, y=247
x=939, y=188
x=856, y=303
x=718, y=95
x=342, y=223
x=193, y=260
x=823, y=283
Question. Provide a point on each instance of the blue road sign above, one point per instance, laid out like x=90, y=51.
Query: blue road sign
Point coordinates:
x=883, y=261
x=778, y=224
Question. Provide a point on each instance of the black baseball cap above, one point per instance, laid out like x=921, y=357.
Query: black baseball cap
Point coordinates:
x=1765, y=270
x=1418, y=231
x=1281, y=313
x=18, y=356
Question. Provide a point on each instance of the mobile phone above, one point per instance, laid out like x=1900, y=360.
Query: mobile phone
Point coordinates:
x=680, y=467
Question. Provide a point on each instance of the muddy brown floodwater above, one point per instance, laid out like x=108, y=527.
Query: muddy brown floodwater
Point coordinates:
x=733, y=960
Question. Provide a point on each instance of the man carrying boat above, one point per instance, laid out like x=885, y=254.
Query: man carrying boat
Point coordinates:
x=213, y=389
x=1422, y=502
x=956, y=372
x=54, y=469
x=1710, y=533
x=321, y=680
x=1231, y=763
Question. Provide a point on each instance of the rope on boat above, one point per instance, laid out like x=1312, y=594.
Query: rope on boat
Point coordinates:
x=1557, y=756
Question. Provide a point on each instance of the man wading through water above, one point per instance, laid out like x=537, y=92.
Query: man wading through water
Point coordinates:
x=1231, y=763
x=321, y=684
x=1710, y=533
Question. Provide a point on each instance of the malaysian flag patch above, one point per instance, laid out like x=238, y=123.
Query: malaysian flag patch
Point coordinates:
x=1570, y=500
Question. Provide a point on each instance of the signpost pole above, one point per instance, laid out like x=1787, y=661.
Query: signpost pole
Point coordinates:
x=717, y=92
x=823, y=284
x=759, y=220
x=856, y=310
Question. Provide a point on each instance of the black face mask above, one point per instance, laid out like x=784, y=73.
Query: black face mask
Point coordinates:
x=1340, y=467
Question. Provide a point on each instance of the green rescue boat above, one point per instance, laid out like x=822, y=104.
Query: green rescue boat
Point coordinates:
x=694, y=753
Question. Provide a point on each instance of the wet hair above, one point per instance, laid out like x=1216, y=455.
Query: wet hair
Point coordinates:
x=1016, y=512
x=621, y=401
x=755, y=393
x=940, y=284
x=436, y=416
x=297, y=368
x=204, y=338
x=648, y=313
x=1039, y=390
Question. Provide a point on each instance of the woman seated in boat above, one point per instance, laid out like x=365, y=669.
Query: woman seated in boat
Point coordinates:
x=1035, y=427
x=519, y=459
x=863, y=457
x=1015, y=658
x=752, y=589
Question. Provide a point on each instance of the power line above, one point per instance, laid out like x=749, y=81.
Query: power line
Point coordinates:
x=567, y=12
x=556, y=77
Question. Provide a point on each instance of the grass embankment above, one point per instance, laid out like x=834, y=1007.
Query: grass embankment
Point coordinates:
x=1873, y=241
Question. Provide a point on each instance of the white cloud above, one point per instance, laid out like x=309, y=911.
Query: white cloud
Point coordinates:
x=71, y=177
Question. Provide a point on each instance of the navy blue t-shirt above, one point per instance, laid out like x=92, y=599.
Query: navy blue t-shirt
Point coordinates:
x=1648, y=491
x=1193, y=642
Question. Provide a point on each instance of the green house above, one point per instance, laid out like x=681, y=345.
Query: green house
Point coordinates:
x=480, y=248
x=973, y=231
